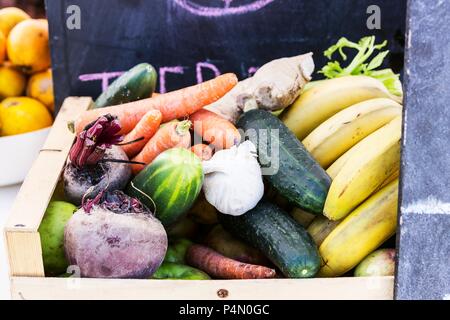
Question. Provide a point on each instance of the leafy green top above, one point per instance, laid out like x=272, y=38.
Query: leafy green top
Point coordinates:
x=360, y=65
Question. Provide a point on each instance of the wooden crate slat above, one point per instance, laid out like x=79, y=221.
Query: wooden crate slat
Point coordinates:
x=25, y=254
x=377, y=288
x=37, y=189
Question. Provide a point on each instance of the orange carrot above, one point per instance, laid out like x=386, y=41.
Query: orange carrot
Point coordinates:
x=216, y=130
x=145, y=129
x=219, y=266
x=173, y=105
x=203, y=151
x=170, y=135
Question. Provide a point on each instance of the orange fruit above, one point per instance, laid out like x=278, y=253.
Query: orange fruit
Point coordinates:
x=12, y=81
x=27, y=46
x=2, y=47
x=40, y=87
x=9, y=17
x=22, y=114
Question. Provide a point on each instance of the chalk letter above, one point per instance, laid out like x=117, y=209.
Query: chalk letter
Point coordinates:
x=74, y=19
x=162, y=76
x=208, y=65
x=374, y=20
x=104, y=77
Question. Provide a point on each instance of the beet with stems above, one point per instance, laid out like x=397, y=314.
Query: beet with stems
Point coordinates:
x=115, y=236
x=96, y=162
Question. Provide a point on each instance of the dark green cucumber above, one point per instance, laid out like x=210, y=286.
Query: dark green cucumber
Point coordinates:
x=137, y=83
x=299, y=178
x=278, y=236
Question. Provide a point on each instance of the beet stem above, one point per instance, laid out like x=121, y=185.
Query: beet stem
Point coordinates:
x=130, y=142
x=122, y=161
x=91, y=143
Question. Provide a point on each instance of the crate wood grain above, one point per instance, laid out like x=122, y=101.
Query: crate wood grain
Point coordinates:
x=27, y=270
x=373, y=288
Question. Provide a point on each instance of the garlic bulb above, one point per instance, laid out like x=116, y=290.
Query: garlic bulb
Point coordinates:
x=233, y=181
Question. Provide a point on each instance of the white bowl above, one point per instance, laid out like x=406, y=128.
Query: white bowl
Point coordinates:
x=17, y=154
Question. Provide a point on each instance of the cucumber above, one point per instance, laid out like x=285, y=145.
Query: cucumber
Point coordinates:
x=278, y=236
x=170, y=184
x=137, y=83
x=300, y=179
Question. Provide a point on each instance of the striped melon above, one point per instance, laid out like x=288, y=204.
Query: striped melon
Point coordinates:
x=170, y=184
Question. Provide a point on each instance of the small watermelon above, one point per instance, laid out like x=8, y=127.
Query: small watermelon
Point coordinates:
x=170, y=184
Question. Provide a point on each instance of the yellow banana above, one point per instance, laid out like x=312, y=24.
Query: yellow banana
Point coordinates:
x=321, y=227
x=342, y=131
x=364, y=230
x=389, y=179
x=368, y=142
x=364, y=171
x=327, y=98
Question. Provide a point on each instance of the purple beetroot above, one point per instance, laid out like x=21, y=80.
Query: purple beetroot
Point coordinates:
x=115, y=236
x=96, y=163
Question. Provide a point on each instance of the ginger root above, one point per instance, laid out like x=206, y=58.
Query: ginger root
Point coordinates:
x=275, y=86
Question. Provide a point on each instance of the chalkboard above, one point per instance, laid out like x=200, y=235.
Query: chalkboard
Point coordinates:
x=423, y=270
x=189, y=41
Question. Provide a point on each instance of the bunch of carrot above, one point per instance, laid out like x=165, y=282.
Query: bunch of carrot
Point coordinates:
x=147, y=133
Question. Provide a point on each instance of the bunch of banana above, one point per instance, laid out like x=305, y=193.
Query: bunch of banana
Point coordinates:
x=367, y=166
x=342, y=131
x=352, y=127
x=327, y=98
x=360, y=233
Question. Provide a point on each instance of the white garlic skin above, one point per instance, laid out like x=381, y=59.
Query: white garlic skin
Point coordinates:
x=233, y=180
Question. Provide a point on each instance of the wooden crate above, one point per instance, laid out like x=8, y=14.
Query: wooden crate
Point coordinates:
x=27, y=269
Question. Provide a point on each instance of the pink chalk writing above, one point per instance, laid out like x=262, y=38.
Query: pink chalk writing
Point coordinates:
x=207, y=65
x=162, y=76
x=227, y=3
x=252, y=71
x=200, y=68
x=228, y=9
x=104, y=77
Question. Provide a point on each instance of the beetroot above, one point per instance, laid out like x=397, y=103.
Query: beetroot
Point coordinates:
x=95, y=162
x=115, y=236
